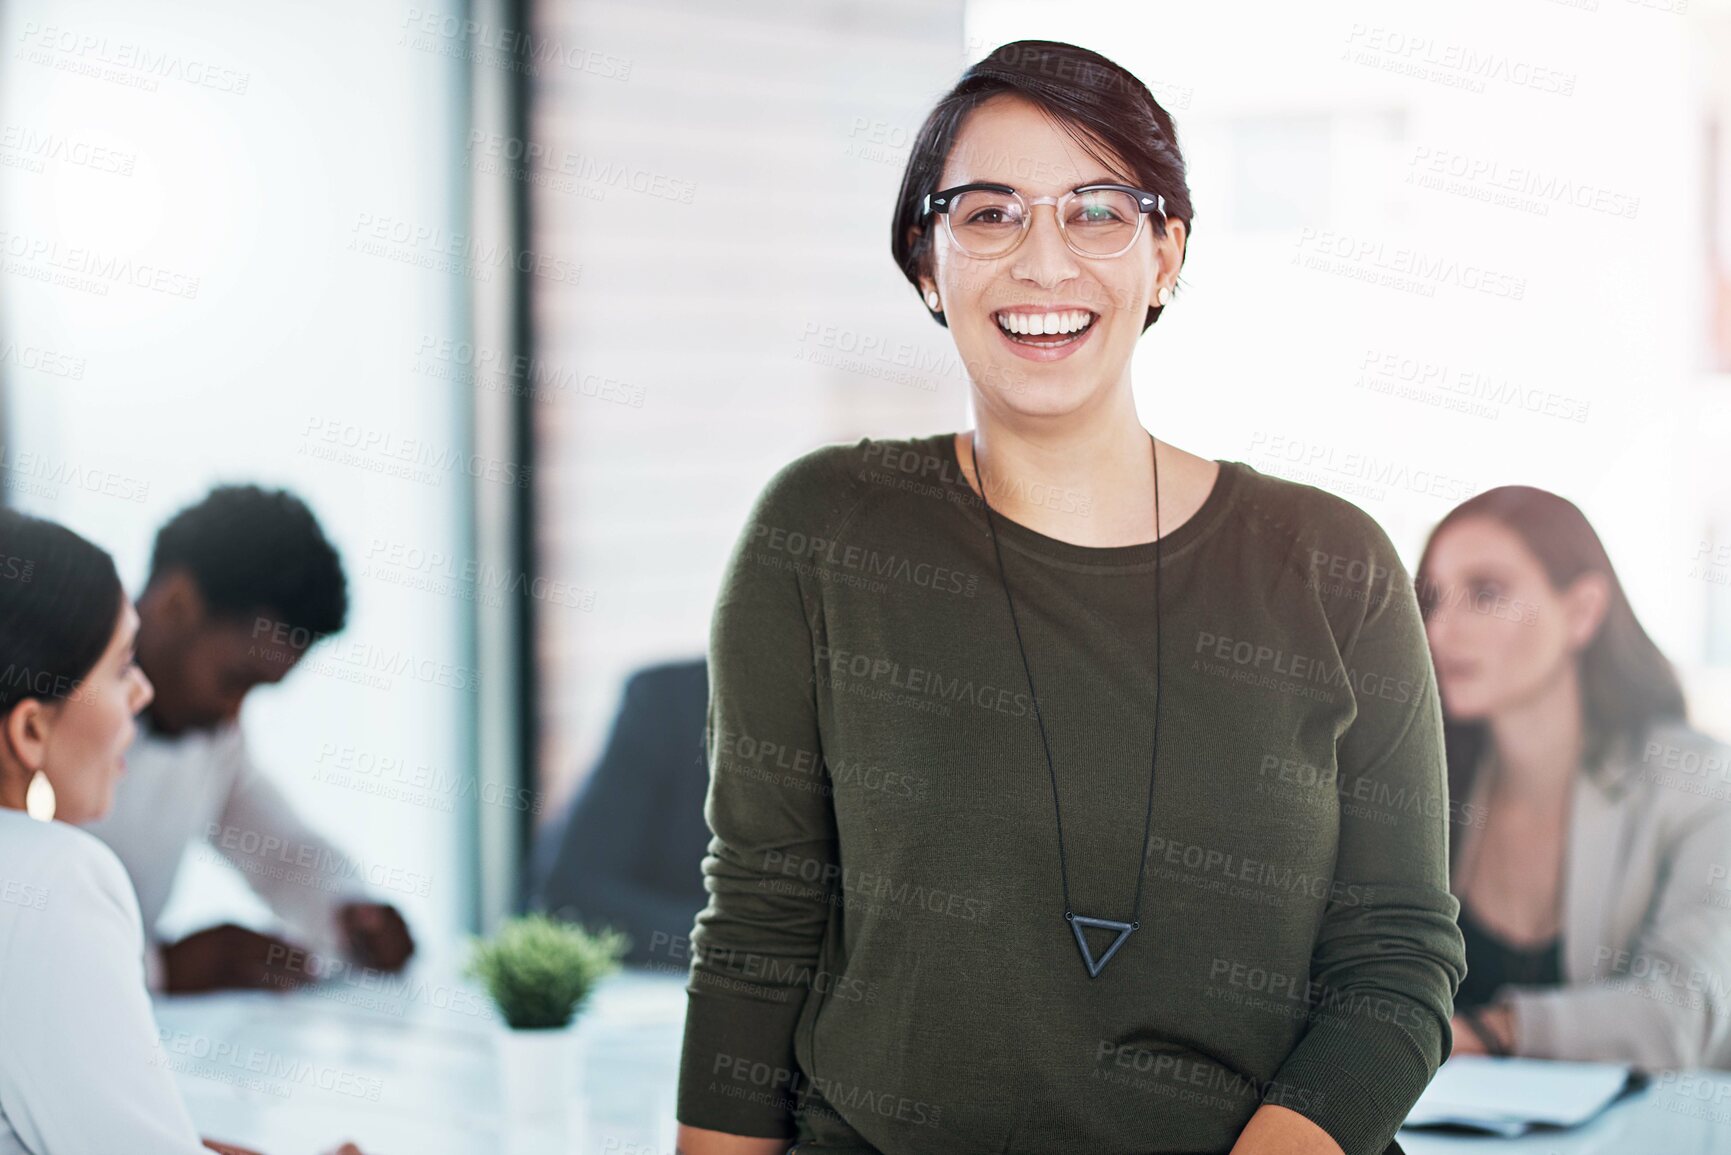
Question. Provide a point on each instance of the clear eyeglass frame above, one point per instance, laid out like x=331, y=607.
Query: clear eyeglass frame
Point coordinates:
x=1147, y=203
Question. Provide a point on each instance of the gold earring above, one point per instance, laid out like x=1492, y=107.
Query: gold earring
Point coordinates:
x=932, y=300
x=39, y=800
x=1163, y=296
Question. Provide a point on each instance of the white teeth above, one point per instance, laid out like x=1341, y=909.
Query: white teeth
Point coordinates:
x=1040, y=324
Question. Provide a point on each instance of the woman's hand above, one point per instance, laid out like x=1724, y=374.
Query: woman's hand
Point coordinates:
x=698, y=1141
x=1500, y=1021
x=1467, y=1041
x=1276, y=1130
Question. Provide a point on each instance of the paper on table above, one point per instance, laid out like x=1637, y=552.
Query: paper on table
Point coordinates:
x=1509, y=1096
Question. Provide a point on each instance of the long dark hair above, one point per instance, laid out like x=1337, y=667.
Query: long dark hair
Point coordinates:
x=1096, y=101
x=1626, y=682
x=59, y=597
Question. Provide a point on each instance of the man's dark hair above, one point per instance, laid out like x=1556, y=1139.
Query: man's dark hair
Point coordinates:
x=255, y=551
x=1096, y=101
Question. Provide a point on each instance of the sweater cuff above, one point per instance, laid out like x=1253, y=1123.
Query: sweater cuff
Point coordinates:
x=737, y=1071
x=1356, y=1078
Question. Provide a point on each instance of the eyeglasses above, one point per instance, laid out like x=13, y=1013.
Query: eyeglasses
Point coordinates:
x=1096, y=220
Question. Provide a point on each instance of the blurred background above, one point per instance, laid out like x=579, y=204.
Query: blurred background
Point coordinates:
x=529, y=300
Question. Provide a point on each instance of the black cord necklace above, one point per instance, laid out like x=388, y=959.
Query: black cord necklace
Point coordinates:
x=1077, y=921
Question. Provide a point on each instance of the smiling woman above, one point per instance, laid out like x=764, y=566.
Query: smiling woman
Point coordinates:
x=1228, y=665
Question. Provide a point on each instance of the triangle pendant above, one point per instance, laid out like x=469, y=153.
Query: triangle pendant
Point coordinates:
x=1077, y=922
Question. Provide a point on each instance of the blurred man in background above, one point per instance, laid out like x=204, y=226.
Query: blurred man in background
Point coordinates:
x=241, y=585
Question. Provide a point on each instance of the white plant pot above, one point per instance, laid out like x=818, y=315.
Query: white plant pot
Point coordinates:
x=537, y=1074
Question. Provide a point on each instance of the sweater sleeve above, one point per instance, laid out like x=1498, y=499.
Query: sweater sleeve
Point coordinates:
x=1389, y=956
x=773, y=849
x=82, y=1068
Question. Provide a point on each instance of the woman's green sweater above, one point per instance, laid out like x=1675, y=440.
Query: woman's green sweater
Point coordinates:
x=884, y=963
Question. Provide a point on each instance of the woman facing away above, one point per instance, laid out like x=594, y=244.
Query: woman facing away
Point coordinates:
x=81, y=1069
x=1054, y=769
x=1594, y=839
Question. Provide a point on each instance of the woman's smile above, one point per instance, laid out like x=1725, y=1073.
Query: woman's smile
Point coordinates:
x=1041, y=334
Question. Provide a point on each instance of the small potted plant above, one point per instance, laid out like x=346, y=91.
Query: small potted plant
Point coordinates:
x=539, y=971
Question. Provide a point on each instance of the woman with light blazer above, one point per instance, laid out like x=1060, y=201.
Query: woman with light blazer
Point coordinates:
x=1591, y=833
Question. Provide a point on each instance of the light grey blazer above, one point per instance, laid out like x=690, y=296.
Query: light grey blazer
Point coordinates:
x=1646, y=958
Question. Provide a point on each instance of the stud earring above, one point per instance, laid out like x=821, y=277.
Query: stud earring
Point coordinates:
x=1163, y=296
x=932, y=300
x=39, y=798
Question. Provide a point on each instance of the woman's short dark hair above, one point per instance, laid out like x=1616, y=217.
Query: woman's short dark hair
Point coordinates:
x=1096, y=101
x=59, y=599
x=1627, y=684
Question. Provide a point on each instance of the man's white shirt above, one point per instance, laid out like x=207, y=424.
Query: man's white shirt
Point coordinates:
x=203, y=786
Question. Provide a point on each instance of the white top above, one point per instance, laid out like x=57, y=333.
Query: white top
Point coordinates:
x=202, y=786
x=82, y=1069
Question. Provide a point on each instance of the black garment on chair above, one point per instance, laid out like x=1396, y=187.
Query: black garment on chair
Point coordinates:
x=630, y=855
